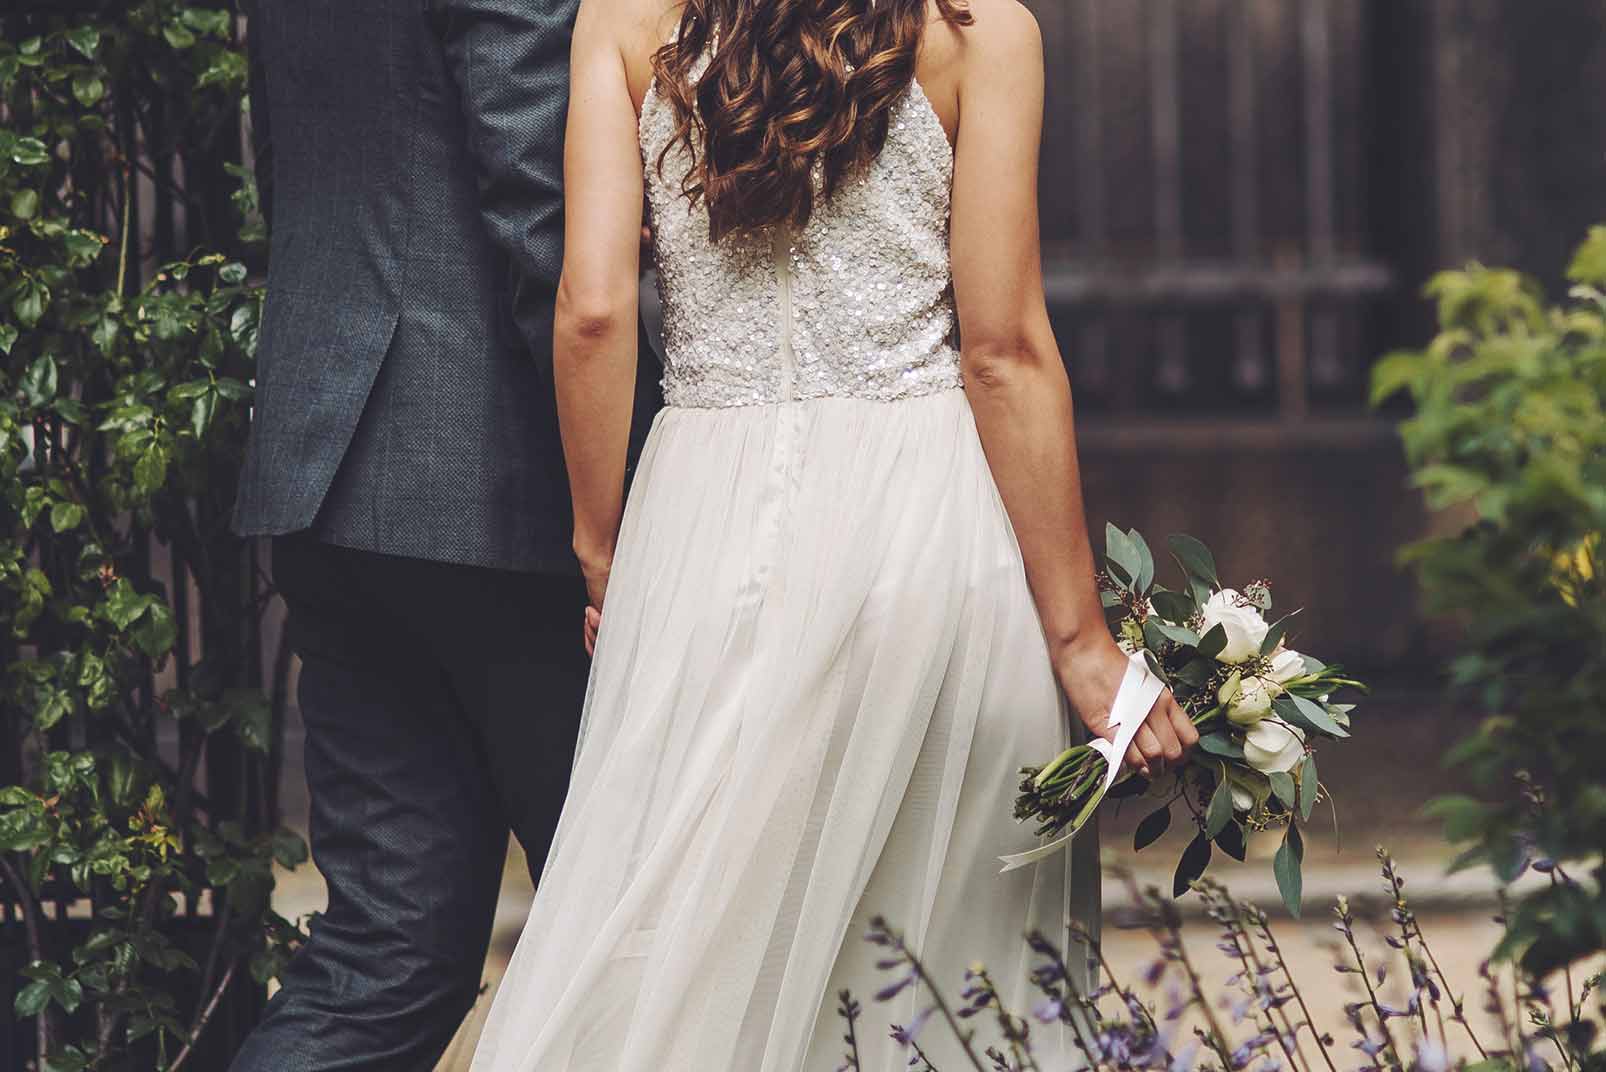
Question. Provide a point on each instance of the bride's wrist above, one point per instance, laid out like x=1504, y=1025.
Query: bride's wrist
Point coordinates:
x=1073, y=647
x=595, y=555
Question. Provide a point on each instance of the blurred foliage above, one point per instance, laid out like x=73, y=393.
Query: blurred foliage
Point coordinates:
x=123, y=410
x=1508, y=438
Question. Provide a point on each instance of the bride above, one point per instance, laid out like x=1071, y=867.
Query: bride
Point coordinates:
x=852, y=592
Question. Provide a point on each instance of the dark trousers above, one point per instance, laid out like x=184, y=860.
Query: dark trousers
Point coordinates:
x=441, y=705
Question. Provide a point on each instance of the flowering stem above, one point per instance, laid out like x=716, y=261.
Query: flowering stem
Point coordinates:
x=1276, y=953
x=1360, y=961
x=1019, y=1048
x=960, y=1034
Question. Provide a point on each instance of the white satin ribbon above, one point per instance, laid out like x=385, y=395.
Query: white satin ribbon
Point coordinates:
x=1139, y=689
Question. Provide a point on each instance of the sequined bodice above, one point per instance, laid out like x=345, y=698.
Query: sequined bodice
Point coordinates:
x=855, y=304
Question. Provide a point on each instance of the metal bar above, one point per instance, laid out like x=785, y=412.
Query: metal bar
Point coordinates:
x=1249, y=369
x=1091, y=358
x=1316, y=45
x=1165, y=116
x=1204, y=282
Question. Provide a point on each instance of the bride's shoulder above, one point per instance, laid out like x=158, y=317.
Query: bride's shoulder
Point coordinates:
x=994, y=26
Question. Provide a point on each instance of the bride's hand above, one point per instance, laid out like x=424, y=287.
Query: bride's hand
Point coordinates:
x=1091, y=674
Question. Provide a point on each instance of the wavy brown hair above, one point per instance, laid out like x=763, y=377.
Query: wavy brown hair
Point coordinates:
x=789, y=84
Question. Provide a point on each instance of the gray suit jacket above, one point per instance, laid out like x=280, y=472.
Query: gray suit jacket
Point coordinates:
x=409, y=154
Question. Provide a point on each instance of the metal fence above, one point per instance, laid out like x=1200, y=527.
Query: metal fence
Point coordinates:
x=1205, y=209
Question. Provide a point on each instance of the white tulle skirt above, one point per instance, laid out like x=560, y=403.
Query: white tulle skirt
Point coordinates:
x=818, y=673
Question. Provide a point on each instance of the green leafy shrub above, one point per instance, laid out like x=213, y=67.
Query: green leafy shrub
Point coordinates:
x=123, y=408
x=1508, y=437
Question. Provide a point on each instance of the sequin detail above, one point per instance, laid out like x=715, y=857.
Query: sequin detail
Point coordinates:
x=871, y=307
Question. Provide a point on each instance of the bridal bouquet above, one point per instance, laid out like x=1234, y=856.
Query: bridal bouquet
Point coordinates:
x=1259, y=705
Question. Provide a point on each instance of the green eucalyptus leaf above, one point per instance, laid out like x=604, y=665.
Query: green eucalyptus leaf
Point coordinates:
x=1308, y=786
x=1120, y=556
x=1214, y=642
x=1191, y=867
x=1174, y=607
x=1219, y=744
x=1288, y=867
x=1219, y=812
x=1152, y=828
x=1194, y=558
x=1145, y=561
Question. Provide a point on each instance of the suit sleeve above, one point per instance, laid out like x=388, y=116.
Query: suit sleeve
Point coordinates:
x=510, y=60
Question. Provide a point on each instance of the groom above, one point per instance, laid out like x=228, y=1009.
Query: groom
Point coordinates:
x=404, y=456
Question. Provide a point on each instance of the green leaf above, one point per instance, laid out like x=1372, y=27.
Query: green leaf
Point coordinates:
x=157, y=631
x=1589, y=263
x=201, y=413
x=1152, y=828
x=39, y=383
x=8, y=337
x=1282, y=787
x=150, y=472
x=30, y=303
x=1145, y=574
x=1179, y=634
x=1307, y=715
x=1231, y=841
x=1214, y=642
x=29, y=152
x=232, y=273
x=88, y=89
x=289, y=849
x=1120, y=556
x=253, y=718
x=25, y=204
x=1195, y=558
x=1219, y=813
x=84, y=39
x=32, y=999
x=1308, y=785
x=1275, y=634
x=1172, y=606
x=1219, y=744
x=232, y=389
x=65, y=516
x=1288, y=866
x=1464, y=818
x=178, y=35
x=55, y=704
x=1195, y=858
x=123, y=604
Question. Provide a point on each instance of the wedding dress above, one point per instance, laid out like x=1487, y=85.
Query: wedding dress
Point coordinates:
x=818, y=673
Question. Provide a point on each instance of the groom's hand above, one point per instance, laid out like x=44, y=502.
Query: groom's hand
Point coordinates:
x=593, y=622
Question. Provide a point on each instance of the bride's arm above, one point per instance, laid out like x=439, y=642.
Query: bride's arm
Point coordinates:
x=594, y=341
x=1014, y=375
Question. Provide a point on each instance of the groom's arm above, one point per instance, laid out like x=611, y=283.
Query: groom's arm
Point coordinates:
x=510, y=60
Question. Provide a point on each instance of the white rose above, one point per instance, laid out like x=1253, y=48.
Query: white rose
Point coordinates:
x=1243, y=801
x=1286, y=665
x=1253, y=701
x=1245, y=628
x=1272, y=746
